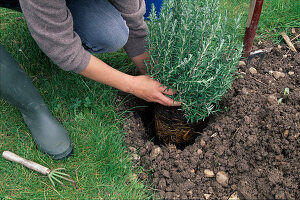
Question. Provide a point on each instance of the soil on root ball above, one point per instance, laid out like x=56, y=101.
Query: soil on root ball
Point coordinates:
x=252, y=149
x=171, y=126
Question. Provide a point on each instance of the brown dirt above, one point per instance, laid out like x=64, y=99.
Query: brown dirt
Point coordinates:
x=255, y=140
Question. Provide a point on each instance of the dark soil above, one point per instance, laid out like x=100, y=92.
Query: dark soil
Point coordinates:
x=255, y=142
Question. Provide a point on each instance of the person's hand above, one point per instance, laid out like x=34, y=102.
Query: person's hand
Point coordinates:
x=151, y=90
x=141, y=86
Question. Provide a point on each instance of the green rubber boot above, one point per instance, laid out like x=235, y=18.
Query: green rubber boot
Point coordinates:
x=17, y=89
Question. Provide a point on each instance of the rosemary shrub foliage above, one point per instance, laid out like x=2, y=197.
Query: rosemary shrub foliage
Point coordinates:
x=194, y=51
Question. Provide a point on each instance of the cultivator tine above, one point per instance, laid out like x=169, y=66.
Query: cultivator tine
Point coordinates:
x=55, y=174
x=55, y=179
x=52, y=182
x=60, y=173
x=259, y=53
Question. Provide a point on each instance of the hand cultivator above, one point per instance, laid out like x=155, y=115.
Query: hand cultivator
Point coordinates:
x=53, y=175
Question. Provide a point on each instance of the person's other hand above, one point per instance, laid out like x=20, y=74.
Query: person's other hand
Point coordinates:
x=151, y=90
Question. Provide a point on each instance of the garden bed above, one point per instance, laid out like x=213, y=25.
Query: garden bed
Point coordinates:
x=254, y=142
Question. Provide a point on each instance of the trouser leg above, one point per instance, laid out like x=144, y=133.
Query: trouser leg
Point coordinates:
x=99, y=25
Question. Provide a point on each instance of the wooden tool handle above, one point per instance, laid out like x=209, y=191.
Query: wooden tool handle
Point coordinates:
x=27, y=163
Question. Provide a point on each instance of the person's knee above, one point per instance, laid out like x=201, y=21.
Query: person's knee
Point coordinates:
x=117, y=39
x=110, y=38
x=99, y=25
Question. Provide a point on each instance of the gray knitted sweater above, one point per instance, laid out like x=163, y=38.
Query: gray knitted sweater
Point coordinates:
x=51, y=26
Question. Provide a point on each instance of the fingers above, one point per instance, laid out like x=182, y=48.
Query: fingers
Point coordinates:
x=152, y=91
x=166, y=101
x=168, y=92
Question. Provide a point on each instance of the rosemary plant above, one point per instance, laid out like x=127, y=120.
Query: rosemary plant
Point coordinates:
x=194, y=51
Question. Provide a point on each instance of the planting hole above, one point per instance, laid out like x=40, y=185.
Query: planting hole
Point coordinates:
x=147, y=115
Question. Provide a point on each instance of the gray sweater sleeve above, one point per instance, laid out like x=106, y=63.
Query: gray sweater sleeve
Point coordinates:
x=51, y=25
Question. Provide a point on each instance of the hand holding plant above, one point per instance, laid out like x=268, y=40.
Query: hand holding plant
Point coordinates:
x=152, y=91
x=193, y=50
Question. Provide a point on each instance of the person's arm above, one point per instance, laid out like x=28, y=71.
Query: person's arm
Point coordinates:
x=141, y=86
x=51, y=26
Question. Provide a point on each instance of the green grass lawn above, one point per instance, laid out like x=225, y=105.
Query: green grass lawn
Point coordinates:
x=276, y=16
x=86, y=109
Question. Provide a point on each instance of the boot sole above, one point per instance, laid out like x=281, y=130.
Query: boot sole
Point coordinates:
x=63, y=155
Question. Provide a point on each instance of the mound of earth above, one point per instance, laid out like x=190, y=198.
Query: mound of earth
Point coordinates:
x=251, y=150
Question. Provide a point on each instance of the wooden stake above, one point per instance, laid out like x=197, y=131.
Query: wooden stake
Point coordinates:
x=288, y=41
x=252, y=24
